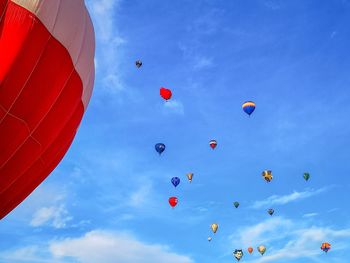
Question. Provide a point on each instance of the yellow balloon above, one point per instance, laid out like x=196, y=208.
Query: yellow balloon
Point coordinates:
x=214, y=227
x=261, y=249
x=267, y=175
x=189, y=176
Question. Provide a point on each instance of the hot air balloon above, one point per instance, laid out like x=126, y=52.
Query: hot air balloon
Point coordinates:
x=213, y=144
x=261, y=249
x=236, y=204
x=175, y=181
x=238, y=254
x=173, y=201
x=306, y=176
x=165, y=93
x=160, y=147
x=250, y=250
x=270, y=211
x=189, y=177
x=138, y=63
x=47, y=72
x=248, y=107
x=325, y=247
x=267, y=175
x=214, y=227
x=209, y=239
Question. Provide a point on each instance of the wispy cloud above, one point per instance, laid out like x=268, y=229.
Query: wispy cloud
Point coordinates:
x=174, y=106
x=310, y=215
x=285, y=199
x=56, y=216
x=96, y=247
x=108, y=43
x=298, y=239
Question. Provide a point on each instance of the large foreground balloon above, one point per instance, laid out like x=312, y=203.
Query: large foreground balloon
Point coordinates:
x=47, y=74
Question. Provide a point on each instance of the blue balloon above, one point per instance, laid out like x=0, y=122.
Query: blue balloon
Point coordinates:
x=248, y=107
x=175, y=181
x=160, y=147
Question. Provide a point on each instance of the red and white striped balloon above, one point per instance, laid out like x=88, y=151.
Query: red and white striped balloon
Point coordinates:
x=47, y=74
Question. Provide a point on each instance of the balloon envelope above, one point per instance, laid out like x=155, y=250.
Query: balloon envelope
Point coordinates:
x=238, y=254
x=46, y=79
x=325, y=247
x=138, y=63
x=165, y=93
x=173, y=201
x=214, y=227
x=270, y=211
x=250, y=250
x=189, y=176
x=236, y=204
x=160, y=147
x=262, y=249
x=175, y=181
x=267, y=175
x=213, y=144
x=306, y=176
x=248, y=107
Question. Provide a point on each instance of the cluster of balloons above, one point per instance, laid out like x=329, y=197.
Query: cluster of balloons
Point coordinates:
x=238, y=253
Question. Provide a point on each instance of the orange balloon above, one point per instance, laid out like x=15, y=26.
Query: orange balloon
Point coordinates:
x=250, y=250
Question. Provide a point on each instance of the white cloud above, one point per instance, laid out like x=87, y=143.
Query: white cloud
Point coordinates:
x=202, y=62
x=284, y=199
x=310, y=215
x=108, y=43
x=96, y=247
x=140, y=196
x=174, y=106
x=56, y=216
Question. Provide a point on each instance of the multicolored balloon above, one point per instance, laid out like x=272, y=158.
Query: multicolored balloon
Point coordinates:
x=306, y=176
x=189, y=177
x=209, y=239
x=214, y=227
x=175, y=181
x=325, y=247
x=213, y=144
x=138, y=63
x=270, y=211
x=267, y=175
x=160, y=147
x=173, y=201
x=262, y=249
x=248, y=107
x=238, y=254
x=236, y=204
x=165, y=93
x=47, y=74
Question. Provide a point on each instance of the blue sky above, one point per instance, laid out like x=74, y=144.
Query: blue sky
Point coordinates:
x=107, y=201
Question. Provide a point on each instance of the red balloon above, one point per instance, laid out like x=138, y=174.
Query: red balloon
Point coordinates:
x=173, y=201
x=213, y=144
x=46, y=78
x=165, y=93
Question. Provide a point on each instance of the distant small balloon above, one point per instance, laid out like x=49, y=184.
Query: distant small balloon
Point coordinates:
x=262, y=249
x=267, y=175
x=238, y=254
x=214, y=227
x=175, y=181
x=138, y=63
x=173, y=201
x=160, y=147
x=306, y=176
x=213, y=144
x=165, y=93
x=248, y=107
x=250, y=250
x=209, y=239
x=236, y=204
x=325, y=247
x=270, y=211
x=189, y=177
